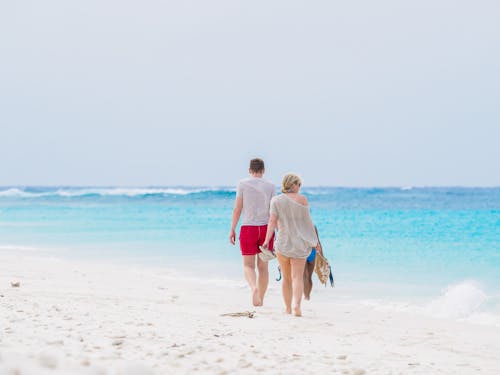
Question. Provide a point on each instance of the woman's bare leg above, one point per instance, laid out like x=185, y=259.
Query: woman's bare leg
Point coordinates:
x=297, y=266
x=308, y=272
x=251, y=278
x=286, y=282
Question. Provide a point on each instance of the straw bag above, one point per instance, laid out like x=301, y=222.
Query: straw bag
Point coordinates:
x=323, y=270
x=322, y=266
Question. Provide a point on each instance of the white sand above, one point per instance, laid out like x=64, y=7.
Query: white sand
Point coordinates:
x=79, y=318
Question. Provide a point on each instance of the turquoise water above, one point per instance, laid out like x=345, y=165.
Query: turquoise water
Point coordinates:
x=417, y=240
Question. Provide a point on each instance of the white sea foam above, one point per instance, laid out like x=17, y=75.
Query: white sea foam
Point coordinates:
x=15, y=192
x=17, y=248
x=21, y=248
x=9, y=192
x=317, y=191
x=464, y=301
x=458, y=301
x=128, y=192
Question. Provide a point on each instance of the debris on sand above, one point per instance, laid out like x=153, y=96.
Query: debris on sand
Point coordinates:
x=247, y=314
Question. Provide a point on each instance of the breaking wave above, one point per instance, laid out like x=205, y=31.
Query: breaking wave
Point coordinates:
x=124, y=192
x=459, y=300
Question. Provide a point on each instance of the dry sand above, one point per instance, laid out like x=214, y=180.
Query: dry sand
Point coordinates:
x=82, y=318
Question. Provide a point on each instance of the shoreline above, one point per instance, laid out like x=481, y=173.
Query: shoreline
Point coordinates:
x=90, y=318
x=464, y=299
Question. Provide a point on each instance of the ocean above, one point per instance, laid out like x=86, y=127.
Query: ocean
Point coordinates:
x=433, y=248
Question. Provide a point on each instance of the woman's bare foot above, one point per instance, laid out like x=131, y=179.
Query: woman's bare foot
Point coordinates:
x=288, y=310
x=297, y=311
x=256, y=300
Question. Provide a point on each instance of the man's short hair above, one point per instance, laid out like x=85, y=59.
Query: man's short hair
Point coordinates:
x=257, y=165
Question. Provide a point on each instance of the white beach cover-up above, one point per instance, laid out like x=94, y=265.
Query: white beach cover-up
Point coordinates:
x=296, y=235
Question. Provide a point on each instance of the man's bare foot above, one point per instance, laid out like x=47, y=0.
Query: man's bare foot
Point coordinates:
x=297, y=311
x=256, y=300
x=307, y=298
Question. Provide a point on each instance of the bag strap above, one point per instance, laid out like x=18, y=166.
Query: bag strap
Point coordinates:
x=332, y=282
x=317, y=235
x=330, y=274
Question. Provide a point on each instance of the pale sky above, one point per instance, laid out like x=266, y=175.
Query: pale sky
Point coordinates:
x=346, y=93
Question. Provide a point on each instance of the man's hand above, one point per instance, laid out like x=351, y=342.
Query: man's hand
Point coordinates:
x=238, y=207
x=232, y=237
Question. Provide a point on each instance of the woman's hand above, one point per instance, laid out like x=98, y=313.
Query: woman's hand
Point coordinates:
x=270, y=230
x=319, y=249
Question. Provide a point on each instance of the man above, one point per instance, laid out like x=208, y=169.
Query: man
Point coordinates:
x=253, y=197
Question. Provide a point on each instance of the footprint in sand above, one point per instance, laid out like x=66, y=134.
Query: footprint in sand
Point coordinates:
x=56, y=343
x=243, y=363
x=48, y=359
x=85, y=362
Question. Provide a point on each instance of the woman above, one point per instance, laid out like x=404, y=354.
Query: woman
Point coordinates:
x=296, y=237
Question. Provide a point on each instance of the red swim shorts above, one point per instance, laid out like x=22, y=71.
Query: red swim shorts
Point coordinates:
x=251, y=237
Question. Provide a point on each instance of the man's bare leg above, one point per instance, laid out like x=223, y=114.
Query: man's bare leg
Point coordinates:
x=251, y=278
x=263, y=278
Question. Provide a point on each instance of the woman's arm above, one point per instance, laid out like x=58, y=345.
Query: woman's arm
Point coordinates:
x=271, y=226
x=318, y=247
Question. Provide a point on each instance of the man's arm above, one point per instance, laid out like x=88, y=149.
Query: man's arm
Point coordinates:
x=271, y=226
x=238, y=207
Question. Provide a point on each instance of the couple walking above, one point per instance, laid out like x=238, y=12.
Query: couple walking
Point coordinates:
x=263, y=212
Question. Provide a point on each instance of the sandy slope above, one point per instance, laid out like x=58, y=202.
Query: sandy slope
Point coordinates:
x=81, y=318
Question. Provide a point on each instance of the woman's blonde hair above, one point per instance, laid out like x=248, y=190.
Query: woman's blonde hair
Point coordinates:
x=288, y=181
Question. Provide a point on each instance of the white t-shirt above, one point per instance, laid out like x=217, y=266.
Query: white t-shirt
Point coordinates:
x=256, y=193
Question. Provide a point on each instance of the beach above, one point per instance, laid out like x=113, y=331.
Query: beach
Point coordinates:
x=79, y=317
x=135, y=139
